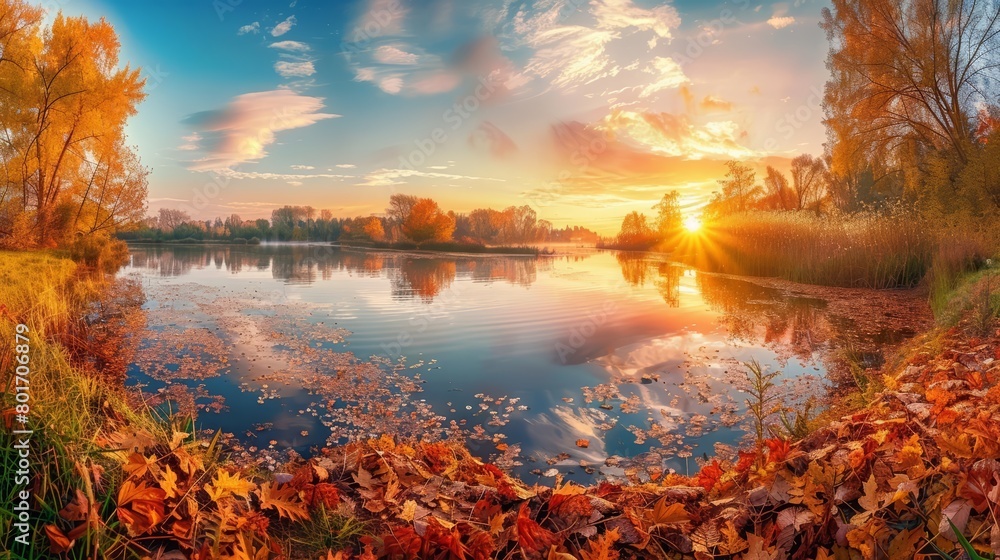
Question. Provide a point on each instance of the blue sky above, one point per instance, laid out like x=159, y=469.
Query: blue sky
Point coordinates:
x=583, y=109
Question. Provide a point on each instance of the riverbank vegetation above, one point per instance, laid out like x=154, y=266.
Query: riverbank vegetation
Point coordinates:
x=407, y=220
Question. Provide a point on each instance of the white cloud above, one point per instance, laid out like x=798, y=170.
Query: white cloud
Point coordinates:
x=389, y=177
x=283, y=27
x=303, y=167
x=391, y=84
x=257, y=175
x=623, y=14
x=242, y=130
x=295, y=183
x=250, y=28
x=294, y=46
x=288, y=69
x=780, y=22
x=346, y=165
x=190, y=142
x=389, y=54
x=670, y=75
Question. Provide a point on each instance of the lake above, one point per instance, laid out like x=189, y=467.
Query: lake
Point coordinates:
x=573, y=363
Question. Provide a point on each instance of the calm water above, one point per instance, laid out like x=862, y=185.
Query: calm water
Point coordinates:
x=501, y=346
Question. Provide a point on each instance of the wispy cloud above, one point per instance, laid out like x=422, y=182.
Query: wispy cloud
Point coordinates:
x=249, y=28
x=242, y=130
x=288, y=69
x=390, y=177
x=303, y=167
x=391, y=54
x=258, y=175
x=668, y=75
x=292, y=46
x=283, y=27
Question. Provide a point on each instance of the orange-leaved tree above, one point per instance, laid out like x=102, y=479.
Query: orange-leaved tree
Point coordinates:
x=426, y=222
x=64, y=102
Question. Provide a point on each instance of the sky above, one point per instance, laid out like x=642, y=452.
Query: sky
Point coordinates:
x=582, y=109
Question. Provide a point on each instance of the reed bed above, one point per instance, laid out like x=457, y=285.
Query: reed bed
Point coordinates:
x=867, y=250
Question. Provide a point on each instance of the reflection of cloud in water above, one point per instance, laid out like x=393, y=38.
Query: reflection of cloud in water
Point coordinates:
x=631, y=362
x=570, y=424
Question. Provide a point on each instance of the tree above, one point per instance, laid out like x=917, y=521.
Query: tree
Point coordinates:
x=778, y=195
x=905, y=71
x=668, y=215
x=808, y=181
x=372, y=228
x=64, y=103
x=739, y=190
x=426, y=222
x=169, y=219
x=635, y=232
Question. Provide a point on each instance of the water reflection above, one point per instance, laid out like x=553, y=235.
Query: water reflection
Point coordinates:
x=412, y=276
x=513, y=348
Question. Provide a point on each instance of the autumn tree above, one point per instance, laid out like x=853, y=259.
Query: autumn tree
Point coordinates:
x=635, y=232
x=740, y=190
x=64, y=102
x=908, y=76
x=426, y=222
x=808, y=181
x=777, y=194
x=668, y=215
x=372, y=228
x=169, y=219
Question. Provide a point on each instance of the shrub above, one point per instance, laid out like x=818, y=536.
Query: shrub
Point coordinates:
x=239, y=241
x=99, y=252
x=254, y=241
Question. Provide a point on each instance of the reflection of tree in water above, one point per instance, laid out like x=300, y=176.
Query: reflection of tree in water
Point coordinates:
x=305, y=264
x=423, y=277
x=516, y=270
x=636, y=268
x=796, y=326
x=669, y=283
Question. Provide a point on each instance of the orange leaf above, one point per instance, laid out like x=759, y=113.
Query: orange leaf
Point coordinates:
x=58, y=542
x=530, y=535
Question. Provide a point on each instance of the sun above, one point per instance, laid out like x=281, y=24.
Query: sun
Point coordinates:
x=692, y=224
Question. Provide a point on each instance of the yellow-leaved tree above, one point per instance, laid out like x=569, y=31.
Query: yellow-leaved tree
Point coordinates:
x=64, y=101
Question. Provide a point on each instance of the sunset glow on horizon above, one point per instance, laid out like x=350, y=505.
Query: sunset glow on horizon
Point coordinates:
x=582, y=110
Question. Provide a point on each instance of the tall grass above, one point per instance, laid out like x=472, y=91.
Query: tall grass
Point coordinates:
x=867, y=250
x=69, y=409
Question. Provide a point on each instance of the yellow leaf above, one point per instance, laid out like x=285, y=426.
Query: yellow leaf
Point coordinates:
x=496, y=523
x=178, y=439
x=556, y=555
x=169, y=482
x=225, y=484
x=409, y=510
x=871, y=499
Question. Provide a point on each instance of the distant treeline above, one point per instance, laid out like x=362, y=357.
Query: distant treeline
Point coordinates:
x=407, y=219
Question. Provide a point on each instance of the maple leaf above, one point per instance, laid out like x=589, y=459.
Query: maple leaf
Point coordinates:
x=140, y=507
x=282, y=499
x=709, y=476
x=168, y=482
x=870, y=501
x=667, y=514
x=554, y=554
x=409, y=511
x=733, y=543
x=531, y=536
x=137, y=465
x=496, y=523
x=602, y=547
x=363, y=478
x=225, y=484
